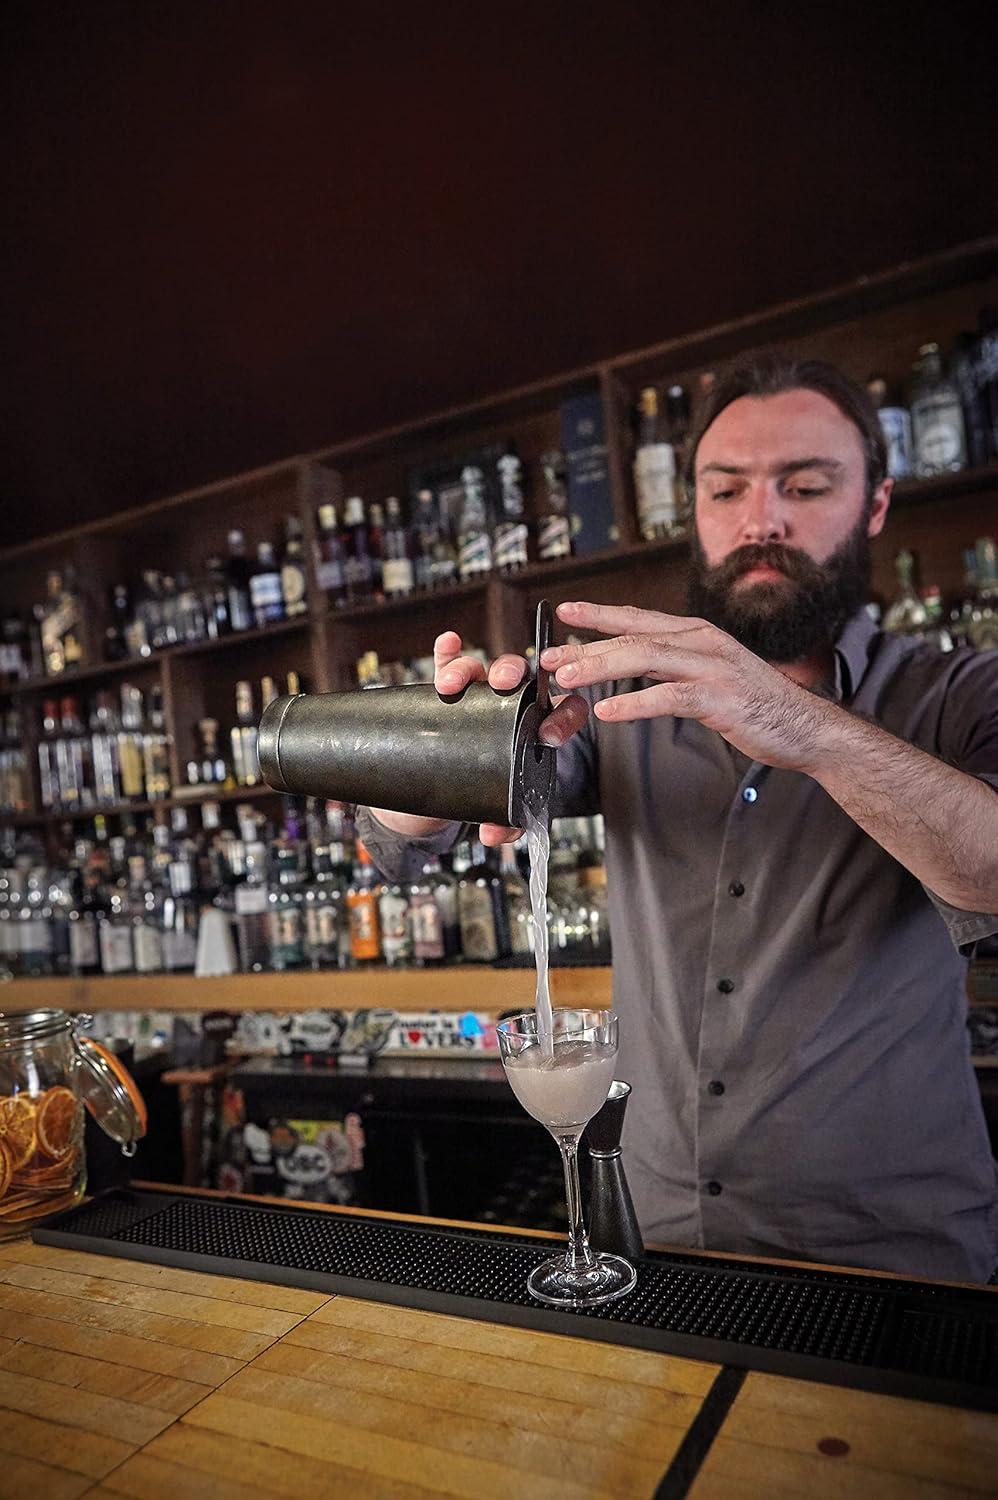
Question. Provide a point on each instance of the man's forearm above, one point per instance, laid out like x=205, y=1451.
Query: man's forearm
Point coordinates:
x=408, y=824
x=940, y=823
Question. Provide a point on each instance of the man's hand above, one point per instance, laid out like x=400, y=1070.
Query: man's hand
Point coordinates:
x=700, y=673
x=452, y=674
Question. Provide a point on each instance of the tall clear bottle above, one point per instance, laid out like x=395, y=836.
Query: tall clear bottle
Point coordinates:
x=938, y=433
x=474, y=545
x=655, y=471
x=398, y=574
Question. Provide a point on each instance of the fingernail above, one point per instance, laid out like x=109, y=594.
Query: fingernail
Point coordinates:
x=566, y=674
x=550, y=656
x=549, y=737
x=450, y=679
x=508, y=674
x=569, y=609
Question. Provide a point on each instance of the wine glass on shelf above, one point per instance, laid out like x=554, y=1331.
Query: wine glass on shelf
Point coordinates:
x=563, y=1086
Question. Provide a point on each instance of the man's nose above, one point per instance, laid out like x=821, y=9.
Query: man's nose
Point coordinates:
x=763, y=518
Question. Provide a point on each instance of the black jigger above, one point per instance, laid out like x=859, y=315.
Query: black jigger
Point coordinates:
x=613, y=1225
x=474, y=756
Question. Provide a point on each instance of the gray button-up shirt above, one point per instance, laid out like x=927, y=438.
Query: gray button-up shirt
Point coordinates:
x=792, y=1000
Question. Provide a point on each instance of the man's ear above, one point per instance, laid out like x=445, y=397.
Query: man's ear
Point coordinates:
x=880, y=507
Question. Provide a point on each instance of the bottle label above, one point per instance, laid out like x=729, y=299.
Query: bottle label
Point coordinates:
x=427, y=927
x=940, y=445
x=148, y=949
x=293, y=588
x=475, y=555
x=655, y=483
x=398, y=575
x=251, y=900
x=115, y=948
x=554, y=537
x=265, y=594
x=329, y=574
x=895, y=423
x=364, y=935
x=83, y=943
x=179, y=949
x=478, y=927
x=511, y=546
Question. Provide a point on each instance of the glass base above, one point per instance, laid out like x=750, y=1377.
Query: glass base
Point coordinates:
x=553, y=1281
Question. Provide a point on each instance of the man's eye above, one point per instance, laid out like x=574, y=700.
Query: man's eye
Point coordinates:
x=722, y=494
x=805, y=492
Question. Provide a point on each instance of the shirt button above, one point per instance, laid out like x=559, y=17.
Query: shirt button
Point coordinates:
x=725, y=986
x=749, y=794
x=713, y=1189
x=736, y=888
x=715, y=1087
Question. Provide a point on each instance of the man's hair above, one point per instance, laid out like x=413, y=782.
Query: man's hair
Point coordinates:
x=774, y=373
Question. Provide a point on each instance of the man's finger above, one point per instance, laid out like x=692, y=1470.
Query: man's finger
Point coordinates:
x=620, y=619
x=565, y=719
x=628, y=656
x=507, y=672
x=452, y=671
x=493, y=834
x=681, y=700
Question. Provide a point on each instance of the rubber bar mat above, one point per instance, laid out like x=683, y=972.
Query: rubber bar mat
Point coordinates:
x=917, y=1339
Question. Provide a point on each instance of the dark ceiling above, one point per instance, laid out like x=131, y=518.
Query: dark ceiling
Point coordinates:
x=237, y=231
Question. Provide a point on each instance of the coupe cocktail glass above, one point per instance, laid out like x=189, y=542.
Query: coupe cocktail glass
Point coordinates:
x=563, y=1089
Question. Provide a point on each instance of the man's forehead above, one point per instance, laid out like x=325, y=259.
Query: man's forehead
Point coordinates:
x=767, y=431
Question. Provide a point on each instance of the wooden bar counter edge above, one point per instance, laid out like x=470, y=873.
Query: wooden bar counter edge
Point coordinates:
x=122, y=1378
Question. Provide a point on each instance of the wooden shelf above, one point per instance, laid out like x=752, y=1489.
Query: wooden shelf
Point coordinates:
x=458, y=988
x=117, y=809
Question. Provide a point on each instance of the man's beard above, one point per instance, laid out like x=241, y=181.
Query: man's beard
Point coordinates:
x=782, y=621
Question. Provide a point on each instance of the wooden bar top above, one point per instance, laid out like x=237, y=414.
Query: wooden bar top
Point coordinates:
x=120, y=1378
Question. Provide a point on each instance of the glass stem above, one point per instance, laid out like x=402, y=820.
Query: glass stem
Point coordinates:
x=579, y=1256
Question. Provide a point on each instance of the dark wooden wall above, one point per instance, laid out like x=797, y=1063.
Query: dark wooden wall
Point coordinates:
x=238, y=231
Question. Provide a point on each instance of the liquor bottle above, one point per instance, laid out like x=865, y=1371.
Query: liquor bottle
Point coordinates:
x=554, y=529
x=369, y=671
x=115, y=934
x=362, y=907
x=245, y=762
x=906, y=615
x=509, y=541
x=131, y=750
x=965, y=370
x=238, y=572
x=191, y=625
x=116, y=635
x=265, y=588
x=330, y=559
x=216, y=600
x=357, y=565
x=982, y=631
x=147, y=919
x=654, y=471
x=935, y=629
x=398, y=575
x=393, y=917
x=251, y=906
x=895, y=424
x=47, y=764
x=519, y=917
x=180, y=930
x=376, y=548
x=986, y=371
x=293, y=581
x=268, y=692
x=938, y=435
x=677, y=421
x=425, y=534
x=60, y=624
x=34, y=941
x=287, y=925
x=474, y=548
x=104, y=748
x=169, y=611
x=73, y=758
x=481, y=910
x=213, y=769
x=156, y=749
x=426, y=919
x=84, y=949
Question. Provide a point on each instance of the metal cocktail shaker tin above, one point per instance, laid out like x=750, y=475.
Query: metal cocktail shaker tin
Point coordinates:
x=474, y=757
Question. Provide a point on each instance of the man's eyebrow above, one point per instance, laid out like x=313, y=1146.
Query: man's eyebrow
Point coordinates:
x=790, y=466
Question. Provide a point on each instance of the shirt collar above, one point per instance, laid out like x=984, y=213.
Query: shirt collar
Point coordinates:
x=852, y=654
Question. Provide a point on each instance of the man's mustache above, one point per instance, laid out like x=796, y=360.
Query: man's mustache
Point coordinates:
x=788, y=560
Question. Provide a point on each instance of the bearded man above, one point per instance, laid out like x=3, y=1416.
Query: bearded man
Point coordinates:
x=802, y=850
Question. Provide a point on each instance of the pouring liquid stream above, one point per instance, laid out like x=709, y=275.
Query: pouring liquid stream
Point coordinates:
x=538, y=851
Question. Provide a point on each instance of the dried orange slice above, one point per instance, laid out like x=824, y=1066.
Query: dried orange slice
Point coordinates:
x=17, y=1127
x=6, y=1170
x=55, y=1120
